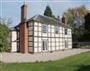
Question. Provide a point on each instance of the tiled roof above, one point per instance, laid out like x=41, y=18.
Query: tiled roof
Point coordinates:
x=47, y=20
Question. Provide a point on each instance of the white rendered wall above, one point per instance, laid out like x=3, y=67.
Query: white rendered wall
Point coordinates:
x=13, y=41
x=55, y=41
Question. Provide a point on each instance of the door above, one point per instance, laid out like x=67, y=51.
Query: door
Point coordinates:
x=66, y=44
x=44, y=44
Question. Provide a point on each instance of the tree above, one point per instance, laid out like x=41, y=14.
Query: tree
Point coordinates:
x=87, y=22
x=48, y=11
x=87, y=28
x=4, y=36
x=75, y=18
x=82, y=11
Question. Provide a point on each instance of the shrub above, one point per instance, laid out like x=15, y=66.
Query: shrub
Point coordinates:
x=75, y=45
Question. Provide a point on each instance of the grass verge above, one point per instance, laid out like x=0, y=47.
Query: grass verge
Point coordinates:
x=80, y=62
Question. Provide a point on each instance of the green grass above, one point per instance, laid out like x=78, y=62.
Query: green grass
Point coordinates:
x=79, y=62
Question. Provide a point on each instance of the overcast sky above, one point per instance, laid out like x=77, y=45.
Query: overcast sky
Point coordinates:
x=12, y=8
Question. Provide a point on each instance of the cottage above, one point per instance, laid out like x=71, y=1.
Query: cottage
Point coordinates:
x=40, y=34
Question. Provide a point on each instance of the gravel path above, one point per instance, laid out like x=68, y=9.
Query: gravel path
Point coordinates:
x=37, y=57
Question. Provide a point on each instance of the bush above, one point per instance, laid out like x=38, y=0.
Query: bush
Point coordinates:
x=4, y=36
x=76, y=45
x=86, y=47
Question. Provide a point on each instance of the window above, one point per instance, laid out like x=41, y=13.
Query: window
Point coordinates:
x=65, y=31
x=44, y=28
x=56, y=29
x=30, y=44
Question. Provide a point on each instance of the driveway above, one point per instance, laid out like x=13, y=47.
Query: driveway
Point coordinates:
x=37, y=57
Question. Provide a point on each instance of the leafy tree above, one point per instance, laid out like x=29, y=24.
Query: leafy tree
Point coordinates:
x=4, y=36
x=87, y=28
x=75, y=18
x=87, y=22
x=82, y=11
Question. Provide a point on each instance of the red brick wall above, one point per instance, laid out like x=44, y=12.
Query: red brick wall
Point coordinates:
x=23, y=38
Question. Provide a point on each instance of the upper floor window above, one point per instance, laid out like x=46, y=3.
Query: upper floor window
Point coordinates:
x=65, y=31
x=44, y=28
x=56, y=29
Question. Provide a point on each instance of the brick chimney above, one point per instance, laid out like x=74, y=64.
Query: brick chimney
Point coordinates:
x=23, y=30
x=24, y=12
x=64, y=18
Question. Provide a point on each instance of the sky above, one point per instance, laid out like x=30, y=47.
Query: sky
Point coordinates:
x=12, y=8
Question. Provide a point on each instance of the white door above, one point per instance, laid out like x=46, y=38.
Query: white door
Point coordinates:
x=66, y=44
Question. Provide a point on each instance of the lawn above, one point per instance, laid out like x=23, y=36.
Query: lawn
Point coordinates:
x=80, y=62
